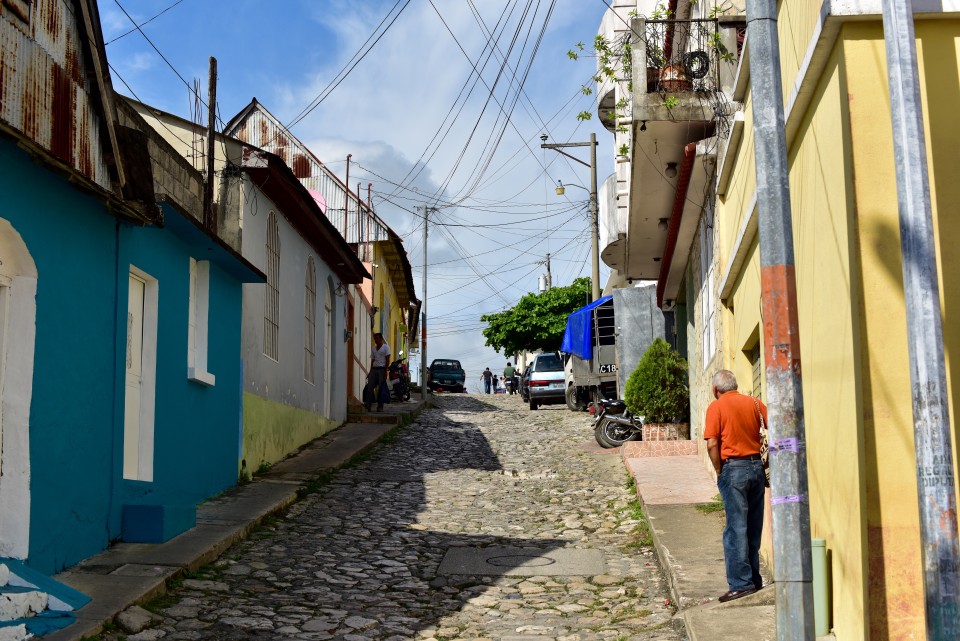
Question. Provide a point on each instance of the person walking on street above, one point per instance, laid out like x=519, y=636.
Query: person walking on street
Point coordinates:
x=732, y=432
x=379, y=357
x=487, y=377
x=509, y=374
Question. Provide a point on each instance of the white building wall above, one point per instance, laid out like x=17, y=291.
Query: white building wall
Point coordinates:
x=283, y=380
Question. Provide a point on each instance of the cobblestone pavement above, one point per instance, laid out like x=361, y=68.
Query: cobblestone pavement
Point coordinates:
x=358, y=559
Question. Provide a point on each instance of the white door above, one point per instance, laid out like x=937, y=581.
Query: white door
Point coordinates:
x=134, y=380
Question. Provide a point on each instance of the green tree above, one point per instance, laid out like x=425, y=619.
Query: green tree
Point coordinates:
x=658, y=389
x=537, y=321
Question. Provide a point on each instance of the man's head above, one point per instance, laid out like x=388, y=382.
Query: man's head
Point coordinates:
x=508, y=363
x=378, y=339
x=488, y=369
x=723, y=381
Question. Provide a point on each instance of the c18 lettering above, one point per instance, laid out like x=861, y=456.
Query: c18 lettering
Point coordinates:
x=608, y=369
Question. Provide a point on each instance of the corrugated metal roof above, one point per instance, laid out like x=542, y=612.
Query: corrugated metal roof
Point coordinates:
x=44, y=93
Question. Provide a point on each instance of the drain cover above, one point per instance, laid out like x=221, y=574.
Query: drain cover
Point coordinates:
x=510, y=561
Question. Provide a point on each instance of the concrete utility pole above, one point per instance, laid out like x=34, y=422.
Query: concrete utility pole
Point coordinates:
x=558, y=147
x=931, y=414
x=789, y=501
x=549, y=278
x=423, y=321
x=208, y=218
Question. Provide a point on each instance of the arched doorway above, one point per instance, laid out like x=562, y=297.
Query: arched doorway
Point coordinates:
x=18, y=330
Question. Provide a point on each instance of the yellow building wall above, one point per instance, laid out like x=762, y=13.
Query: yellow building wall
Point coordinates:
x=384, y=291
x=896, y=587
x=829, y=299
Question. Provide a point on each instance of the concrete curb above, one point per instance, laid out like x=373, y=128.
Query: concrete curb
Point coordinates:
x=689, y=550
x=128, y=574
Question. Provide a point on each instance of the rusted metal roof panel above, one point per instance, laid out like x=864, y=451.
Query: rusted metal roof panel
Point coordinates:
x=44, y=91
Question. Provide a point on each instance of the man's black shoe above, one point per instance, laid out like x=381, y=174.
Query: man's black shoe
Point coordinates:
x=735, y=594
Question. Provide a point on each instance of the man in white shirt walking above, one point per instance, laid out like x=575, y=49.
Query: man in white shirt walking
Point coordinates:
x=379, y=359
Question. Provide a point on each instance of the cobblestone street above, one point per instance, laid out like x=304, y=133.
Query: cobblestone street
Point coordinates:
x=363, y=556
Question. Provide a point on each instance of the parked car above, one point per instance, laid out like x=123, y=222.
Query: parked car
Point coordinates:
x=546, y=380
x=525, y=385
x=445, y=374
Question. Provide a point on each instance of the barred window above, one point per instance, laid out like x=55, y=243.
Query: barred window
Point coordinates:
x=310, y=323
x=755, y=372
x=271, y=307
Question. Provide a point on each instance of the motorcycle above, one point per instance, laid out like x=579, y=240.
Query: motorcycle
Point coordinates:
x=398, y=378
x=613, y=425
x=510, y=384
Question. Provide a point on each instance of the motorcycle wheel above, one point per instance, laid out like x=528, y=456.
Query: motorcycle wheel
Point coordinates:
x=610, y=434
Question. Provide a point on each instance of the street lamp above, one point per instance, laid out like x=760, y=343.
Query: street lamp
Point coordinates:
x=562, y=189
x=558, y=147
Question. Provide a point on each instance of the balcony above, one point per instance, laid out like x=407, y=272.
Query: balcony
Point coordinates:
x=677, y=69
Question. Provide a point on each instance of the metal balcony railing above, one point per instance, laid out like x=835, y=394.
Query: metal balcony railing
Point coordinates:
x=684, y=55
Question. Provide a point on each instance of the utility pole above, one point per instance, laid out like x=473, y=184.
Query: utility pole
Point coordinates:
x=346, y=197
x=549, y=279
x=789, y=494
x=208, y=218
x=595, y=228
x=423, y=322
x=931, y=413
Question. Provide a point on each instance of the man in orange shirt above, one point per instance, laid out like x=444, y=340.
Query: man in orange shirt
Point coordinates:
x=732, y=432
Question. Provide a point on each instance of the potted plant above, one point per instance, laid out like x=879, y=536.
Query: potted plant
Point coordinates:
x=658, y=391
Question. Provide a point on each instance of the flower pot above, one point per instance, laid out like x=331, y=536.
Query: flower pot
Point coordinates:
x=674, y=79
x=666, y=432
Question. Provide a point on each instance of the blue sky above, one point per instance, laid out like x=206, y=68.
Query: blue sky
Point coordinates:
x=498, y=210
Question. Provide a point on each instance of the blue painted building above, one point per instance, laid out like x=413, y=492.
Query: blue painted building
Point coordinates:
x=120, y=410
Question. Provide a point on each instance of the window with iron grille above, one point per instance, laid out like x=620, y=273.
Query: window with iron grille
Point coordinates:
x=708, y=297
x=756, y=372
x=310, y=324
x=271, y=306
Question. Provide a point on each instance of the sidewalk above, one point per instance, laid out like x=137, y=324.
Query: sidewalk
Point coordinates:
x=127, y=574
x=689, y=546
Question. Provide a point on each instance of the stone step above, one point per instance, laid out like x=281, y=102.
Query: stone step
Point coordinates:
x=19, y=603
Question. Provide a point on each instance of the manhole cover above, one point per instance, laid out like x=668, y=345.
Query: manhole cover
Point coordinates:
x=517, y=561
x=521, y=561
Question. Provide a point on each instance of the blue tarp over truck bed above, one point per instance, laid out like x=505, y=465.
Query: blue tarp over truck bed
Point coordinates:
x=578, y=337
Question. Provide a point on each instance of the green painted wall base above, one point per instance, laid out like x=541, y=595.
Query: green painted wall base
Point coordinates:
x=272, y=430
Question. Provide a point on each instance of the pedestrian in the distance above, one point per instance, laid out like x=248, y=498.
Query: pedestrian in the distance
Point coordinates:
x=496, y=384
x=732, y=432
x=487, y=377
x=379, y=357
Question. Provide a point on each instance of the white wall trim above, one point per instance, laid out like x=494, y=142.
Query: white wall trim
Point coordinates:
x=198, y=343
x=16, y=370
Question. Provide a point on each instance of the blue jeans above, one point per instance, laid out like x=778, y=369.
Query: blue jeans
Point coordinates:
x=486, y=385
x=741, y=486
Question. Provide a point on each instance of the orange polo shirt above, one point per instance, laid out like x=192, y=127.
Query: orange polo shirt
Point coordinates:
x=733, y=420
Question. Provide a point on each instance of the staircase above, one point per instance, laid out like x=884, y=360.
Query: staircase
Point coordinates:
x=32, y=604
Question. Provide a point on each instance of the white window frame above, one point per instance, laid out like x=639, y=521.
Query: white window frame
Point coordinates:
x=199, y=324
x=708, y=292
x=310, y=323
x=138, y=462
x=271, y=303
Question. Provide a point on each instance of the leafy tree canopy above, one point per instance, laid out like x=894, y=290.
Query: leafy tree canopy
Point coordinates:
x=537, y=321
